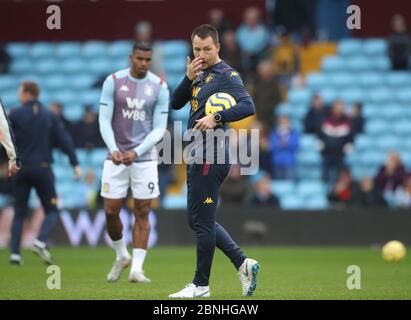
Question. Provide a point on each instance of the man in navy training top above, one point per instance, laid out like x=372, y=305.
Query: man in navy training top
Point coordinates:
x=208, y=74
x=36, y=131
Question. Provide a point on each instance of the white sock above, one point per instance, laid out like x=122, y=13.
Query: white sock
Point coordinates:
x=121, y=249
x=138, y=259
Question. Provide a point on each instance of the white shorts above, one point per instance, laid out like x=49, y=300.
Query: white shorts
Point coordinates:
x=142, y=177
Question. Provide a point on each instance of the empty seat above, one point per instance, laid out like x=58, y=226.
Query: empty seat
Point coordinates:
x=42, y=50
x=81, y=81
x=18, y=49
x=291, y=202
x=281, y=188
x=94, y=49
x=8, y=82
x=403, y=96
x=174, y=48
x=68, y=49
x=175, y=202
x=316, y=202
x=352, y=95
x=311, y=158
x=342, y=79
x=47, y=66
x=380, y=95
x=73, y=65
x=370, y=79
x=55, y=82
x=377, y=127
x=389, y=142
x=119, y=48
x=329, y=94
x=398, y=79
x=307, y=188
x=358, y=63
x=316, y=81
x=333, y=64
x=299, y=96
x=349, y=47
x=381, y=63
x=375, y=47
x=24, y=65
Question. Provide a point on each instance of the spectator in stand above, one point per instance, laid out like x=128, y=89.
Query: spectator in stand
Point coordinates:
x=266, y=93
x=263, y=196
x=87, y=132
x=366, y=195
x=284, y=141
x=357, y=119
x=57, y=109
x=315, y=116
x=286, y=62
x=231, y=52
x=399, y=44
x=336, y=140
x=252, y=36
x=391, y=175
x=343, y=189
x=217, y=20
x=235, y=189
x=402, y=196
x=5, y=59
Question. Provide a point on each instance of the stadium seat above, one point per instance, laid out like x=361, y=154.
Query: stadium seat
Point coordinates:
x=73, y=65
x=372, y=158
x=308, y=142
x=388, y=143
x=375, y=47
x=349, y=47
x=377, y=127
x=329, y=94
x=306, y=188
x=100, y=66
x=90, y=97
x=341, y=79
x=175, y=65
x=333, y=64
x=23, y=65
x=381, y=63
x=81, y=81
x=46, y=66
x=94, y=49
x=175, y=202
x=291, y=202
x=282, y=187
x=174, y=48
x=316, y=81
x=403, y=96
x=380, y=95
x=370, y=79
x=98, y=156
x=42, y=50
x=358, y=64
x=299, y=96
x=309, y=157
x=352, y=95
x=18, y=49
x=68, y=50
x=402, y=128
x=74, y=112
x=316, y=202
x=119, y=48
x=8, y=82
x=364, y=142
x=55, y=82
x=9, y=99
x=398, y=79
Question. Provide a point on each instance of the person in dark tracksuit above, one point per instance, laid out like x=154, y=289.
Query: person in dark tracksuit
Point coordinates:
x=37, y=130
x=206, y=75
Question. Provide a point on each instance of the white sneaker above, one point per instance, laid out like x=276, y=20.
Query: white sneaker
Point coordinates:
x=248, y=276
x=137, y=276
x=192, y=291
x=117, y=268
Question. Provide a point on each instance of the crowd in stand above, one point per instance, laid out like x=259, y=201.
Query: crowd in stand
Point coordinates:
x=266, y=55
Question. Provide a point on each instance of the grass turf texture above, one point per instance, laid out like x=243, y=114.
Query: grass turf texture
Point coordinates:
x=286, y=273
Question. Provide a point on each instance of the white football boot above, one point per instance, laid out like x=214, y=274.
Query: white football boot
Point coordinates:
x=192, y=291
x=248, y=276
x=117, y=269
x=136, y=276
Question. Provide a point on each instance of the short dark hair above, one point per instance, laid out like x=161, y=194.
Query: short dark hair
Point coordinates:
x=143, y=46
x=31, y=87
x=204, y=31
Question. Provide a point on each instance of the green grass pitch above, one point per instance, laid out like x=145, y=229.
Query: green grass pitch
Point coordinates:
x=286, y=273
